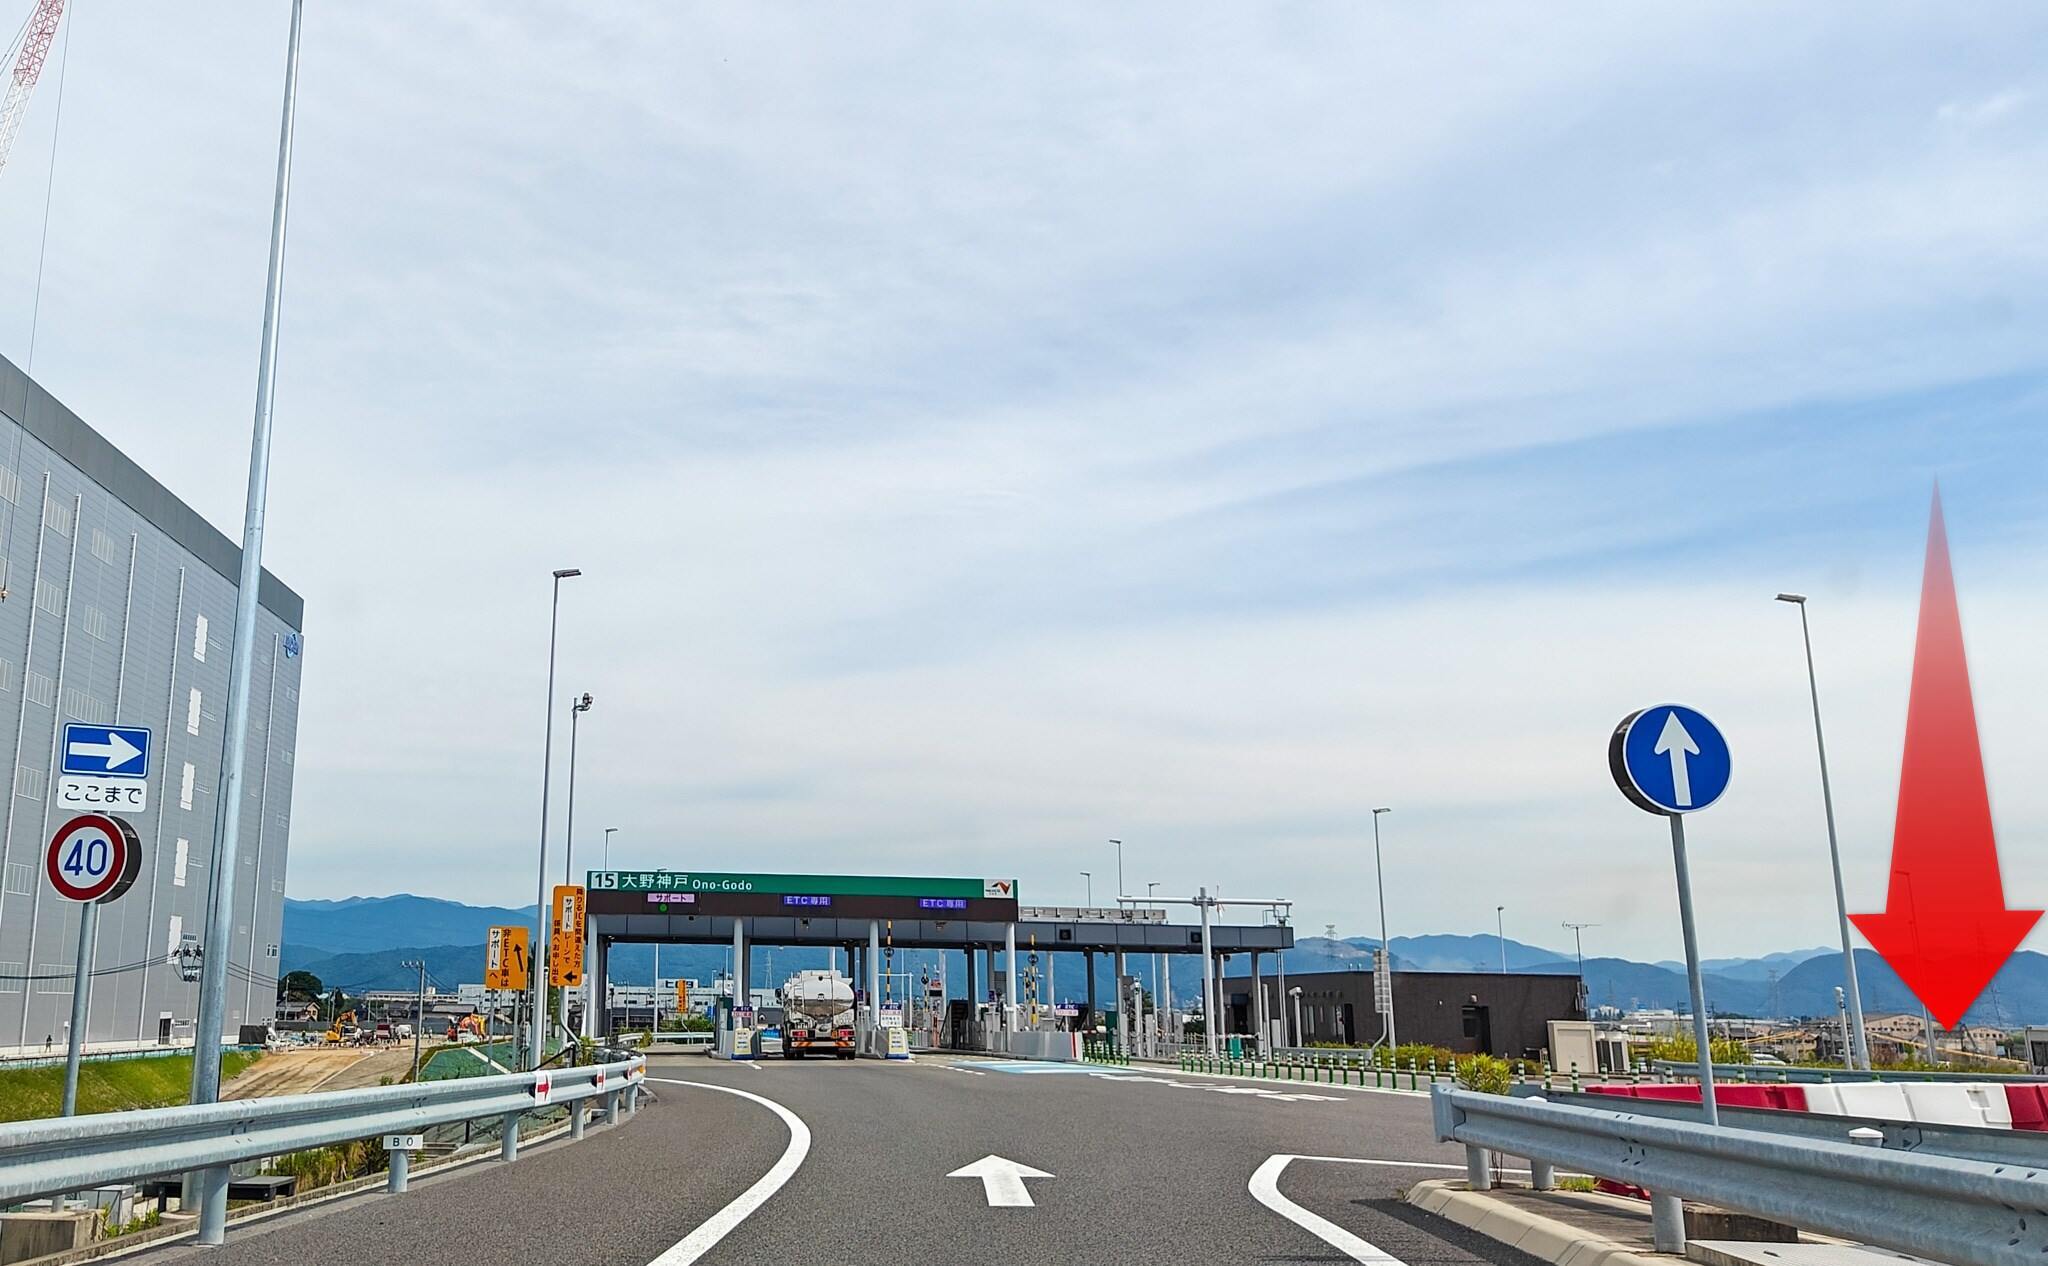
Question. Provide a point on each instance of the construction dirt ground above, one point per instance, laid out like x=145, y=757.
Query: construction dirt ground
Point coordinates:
x=297, y=1072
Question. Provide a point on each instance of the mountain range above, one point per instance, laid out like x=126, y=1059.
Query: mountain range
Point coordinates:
x=364, y=942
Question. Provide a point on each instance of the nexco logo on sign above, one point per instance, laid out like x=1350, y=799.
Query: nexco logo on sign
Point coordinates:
x=105, y=767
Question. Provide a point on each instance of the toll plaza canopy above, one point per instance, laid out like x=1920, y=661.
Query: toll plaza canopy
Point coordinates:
x=700, y=907
x=678, y=905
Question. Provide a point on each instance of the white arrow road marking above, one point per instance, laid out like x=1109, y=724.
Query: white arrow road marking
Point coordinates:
x=1265, y=1188
x=115, y=752
x=1678, y=744
x=720, y=1224
x=1002, y=1181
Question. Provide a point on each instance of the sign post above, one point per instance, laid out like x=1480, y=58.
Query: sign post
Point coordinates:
x=1672, y=761
x=92, y=859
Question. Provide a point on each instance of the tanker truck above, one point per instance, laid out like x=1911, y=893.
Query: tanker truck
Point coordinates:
x=817, y=1015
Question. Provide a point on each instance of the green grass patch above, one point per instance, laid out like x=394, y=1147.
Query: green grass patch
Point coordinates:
x=115, y=1085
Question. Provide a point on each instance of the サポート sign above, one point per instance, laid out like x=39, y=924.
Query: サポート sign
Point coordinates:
x=565, y=945
x=507, y=958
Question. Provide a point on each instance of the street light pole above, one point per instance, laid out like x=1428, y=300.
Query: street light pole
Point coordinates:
x=210, y=1187
x=608, y=833
x=577, y=708
x=1159, y=1007
x=1500, y=923
x=1386, y=947
x=1119, y=869
x=1089, y=877
x=1859, y=1046
x=539, y=985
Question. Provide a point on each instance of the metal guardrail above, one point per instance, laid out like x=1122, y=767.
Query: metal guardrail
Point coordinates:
x=1772, y=1074
x=54, y=1156
x=1967, y=1212
x=698, y=1037
x=1965, y=1142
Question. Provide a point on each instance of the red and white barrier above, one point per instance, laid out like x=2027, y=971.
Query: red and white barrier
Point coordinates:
x=1990, y=1105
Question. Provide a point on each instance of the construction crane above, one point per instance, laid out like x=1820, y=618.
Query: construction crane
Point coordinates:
x=36, y=39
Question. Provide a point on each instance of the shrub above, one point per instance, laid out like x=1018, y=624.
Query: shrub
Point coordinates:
x=324, y=1166
x=1684, y=1050
x=1487, y=1074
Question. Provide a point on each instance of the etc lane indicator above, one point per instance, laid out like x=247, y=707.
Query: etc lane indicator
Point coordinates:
x=1670, y=760
x=105, y=767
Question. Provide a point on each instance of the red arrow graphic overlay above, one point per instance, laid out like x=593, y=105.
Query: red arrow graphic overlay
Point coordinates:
x=1945, y=929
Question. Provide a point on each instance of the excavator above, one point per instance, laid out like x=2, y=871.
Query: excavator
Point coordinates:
x=343, y=1029
x=468, y=1028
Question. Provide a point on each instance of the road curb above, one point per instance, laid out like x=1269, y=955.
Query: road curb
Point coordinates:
x=1545, y=1239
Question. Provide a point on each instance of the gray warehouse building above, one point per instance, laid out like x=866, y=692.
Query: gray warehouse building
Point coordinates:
x=117, y=606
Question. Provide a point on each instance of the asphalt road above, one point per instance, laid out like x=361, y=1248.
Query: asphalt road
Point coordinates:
x=1146, y=1166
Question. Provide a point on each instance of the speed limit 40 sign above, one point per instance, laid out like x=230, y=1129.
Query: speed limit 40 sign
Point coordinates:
x=93, y=857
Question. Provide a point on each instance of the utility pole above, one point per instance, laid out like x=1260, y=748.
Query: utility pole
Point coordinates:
x=1500, y=920
x=1579, y=945
x=419, y=1014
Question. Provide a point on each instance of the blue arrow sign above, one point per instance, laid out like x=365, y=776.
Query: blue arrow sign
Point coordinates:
x=112, y=751
x=1669, y=759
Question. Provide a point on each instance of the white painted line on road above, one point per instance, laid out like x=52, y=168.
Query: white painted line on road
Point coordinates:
x=1265, y=1188
x=1394, y=1164
x=720, y=1224
x=1002, y=1181
x=955, y=1068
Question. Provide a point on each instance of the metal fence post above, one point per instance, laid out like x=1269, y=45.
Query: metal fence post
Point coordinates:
x=400, y=1166
x=632, y=1099
x=611, y=1107
x=576, y=1115
x=508, y=1144
x=1542, y=1175
x=1478, y=1172
x=1667, y=1223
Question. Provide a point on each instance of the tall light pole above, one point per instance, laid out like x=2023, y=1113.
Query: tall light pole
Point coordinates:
x=1089, y=878
x=1159, y=1007
x=1859, y=1047
x=577, y=708
x=1386, y=946
x=1119, y=869
x=534, y=1021
x=608, y=833
x=1500, y=923
x=210, y=1186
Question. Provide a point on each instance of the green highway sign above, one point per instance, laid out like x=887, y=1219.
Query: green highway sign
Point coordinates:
x=703, y=881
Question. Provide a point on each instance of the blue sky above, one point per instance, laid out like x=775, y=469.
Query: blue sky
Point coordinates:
x=988, y=433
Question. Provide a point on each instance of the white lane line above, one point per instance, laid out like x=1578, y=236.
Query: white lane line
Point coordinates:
x=1393, y=1164
x=1265, y=1188
x=955, y=1068
x=722, y=1223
